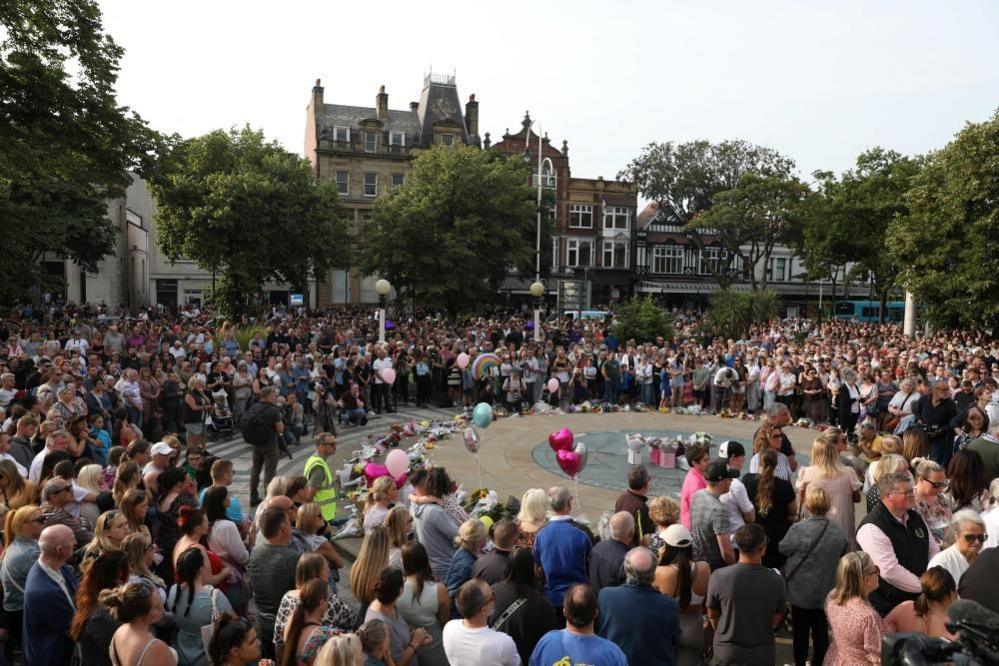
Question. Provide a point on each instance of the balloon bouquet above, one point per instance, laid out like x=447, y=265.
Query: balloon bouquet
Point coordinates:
x=482, y=416
x=571, y=455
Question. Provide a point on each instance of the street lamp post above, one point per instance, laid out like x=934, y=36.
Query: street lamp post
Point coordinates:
x=537, y=248
x=537, y=291
x=382, y=288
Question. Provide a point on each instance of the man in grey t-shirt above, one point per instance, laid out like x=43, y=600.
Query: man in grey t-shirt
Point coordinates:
x=746, y=637
x=709, y=520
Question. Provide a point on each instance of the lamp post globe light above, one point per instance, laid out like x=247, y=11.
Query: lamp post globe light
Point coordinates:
x=537, y=291
x=382, y=288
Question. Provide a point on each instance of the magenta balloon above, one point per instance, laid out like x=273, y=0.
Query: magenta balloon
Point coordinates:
x=561, y=440
x=569, y=462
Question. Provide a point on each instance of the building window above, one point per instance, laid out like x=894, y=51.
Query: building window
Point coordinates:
x=616, y=217
x=447, y=139
x=397, y=180
x=615, y=254
x=134, y=219
x=397, y=138
x=777, y=269
x=555, y=265
x=580, y=216
x=370, y=142
x=659, y=259
x=341, y=134
x=370, y=184
x=578, y=252
x=710, y=260
x=343, y=183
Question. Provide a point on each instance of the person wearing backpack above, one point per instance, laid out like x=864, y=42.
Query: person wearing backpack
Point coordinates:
x=261, y=425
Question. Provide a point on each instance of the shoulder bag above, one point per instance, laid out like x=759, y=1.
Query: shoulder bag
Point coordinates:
x=208, y=630
x=811, y=549
x=510, y=610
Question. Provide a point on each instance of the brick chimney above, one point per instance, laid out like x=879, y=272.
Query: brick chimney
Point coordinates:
x=472, y=116
x=414, y=106
x=381, y=104
x=317, y=95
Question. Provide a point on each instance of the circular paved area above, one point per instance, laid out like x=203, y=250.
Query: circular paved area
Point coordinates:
x=515, y=455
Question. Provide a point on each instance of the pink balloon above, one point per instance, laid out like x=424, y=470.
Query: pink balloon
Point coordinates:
x=561, y=440
x=569, y=462
x=388, y=375
x=552, y=385
x=397, y=463
x=463, y=360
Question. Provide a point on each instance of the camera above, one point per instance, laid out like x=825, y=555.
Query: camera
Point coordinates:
x=977, y=644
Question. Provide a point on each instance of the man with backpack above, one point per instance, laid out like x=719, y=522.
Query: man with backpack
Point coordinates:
x=261, y=425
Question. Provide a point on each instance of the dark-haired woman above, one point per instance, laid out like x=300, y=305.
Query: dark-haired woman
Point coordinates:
x=225, y=541
x=93, y=626
x=193, y=604
x=388, y=588
x=138, y=608
x=340, y=616
x=235, y=643
x=305, y=634
x=775, y=502
x=927, y=614
x=535, y=617
x=176, y=492
x=424, y=603
x=194, y=529
x=686, y=580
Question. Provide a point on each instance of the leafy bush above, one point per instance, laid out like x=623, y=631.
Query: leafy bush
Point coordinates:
x=244, y=334
x=733, y=312
x=643, y=320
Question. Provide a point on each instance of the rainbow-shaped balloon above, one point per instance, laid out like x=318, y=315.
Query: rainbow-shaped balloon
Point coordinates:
x=483, y=363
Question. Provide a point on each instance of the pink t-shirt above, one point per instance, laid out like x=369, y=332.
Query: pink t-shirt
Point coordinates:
x=693, y=482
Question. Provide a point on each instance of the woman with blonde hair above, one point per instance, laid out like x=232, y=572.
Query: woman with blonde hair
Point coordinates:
x=931, y=502
x=856, y=627
x=135, y=506
x=90, y=478
x=664, y=511
x=889, y=463
x=20, y=552
x=470, y=541
x=378, y=501
x=15, y=490
x=109, y=532
x=840, y=482
x=128, y=476
x=309, y=521
x=532, y=516
x=398, y=522
x=139, y=550
x=915, y=444
x=372, y=558
x=342, y=650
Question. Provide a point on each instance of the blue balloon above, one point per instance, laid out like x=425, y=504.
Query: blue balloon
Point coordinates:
x=482, y=415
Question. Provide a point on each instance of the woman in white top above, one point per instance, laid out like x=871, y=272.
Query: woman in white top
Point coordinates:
x=991, y=516
x=680, y=577
x=309, y=522
x=137, y=607
x=956, y=559
x=424, y=603
x=223, y=536
x=378, y=501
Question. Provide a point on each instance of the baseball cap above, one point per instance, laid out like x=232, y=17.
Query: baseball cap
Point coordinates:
x=718, y=471
x=161, y=449
x=731, y=449
x=678, y=536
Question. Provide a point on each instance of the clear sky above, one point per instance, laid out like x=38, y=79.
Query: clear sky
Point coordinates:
x=819, y=81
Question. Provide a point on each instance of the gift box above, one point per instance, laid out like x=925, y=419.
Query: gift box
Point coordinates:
x=655, y=455
x=634, y=457
x=667, y=460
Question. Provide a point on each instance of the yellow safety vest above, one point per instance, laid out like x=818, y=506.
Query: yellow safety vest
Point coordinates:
x=325, y=497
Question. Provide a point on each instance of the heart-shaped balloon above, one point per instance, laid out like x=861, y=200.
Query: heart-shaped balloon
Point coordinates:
x=561, y=440
x=569, y=462
x=579, y=448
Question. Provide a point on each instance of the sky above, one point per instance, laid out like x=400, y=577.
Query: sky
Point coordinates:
x=820, y=81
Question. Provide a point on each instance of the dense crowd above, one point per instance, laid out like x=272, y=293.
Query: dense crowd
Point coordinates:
x=124, y=545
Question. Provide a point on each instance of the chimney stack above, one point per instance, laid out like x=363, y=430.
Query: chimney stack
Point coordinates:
x=381, y=104
x=317, y=95
x=414, y=106
x=472, y=116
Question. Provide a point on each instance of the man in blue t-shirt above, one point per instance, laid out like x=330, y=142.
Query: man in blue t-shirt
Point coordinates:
x=577, y=643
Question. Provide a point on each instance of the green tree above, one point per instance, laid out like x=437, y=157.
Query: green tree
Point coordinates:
x=762, y=211
x=683, y=179
x=250, y=212
x=66, y=146
x=642, y=320
x=733, y=312
x=451, y=233
x=946, y=244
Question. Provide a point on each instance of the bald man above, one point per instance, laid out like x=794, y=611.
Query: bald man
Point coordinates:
x=607, y=557
x=641, y=620
x=50, y=600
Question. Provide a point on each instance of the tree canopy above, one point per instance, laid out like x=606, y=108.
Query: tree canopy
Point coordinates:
x=449, y=235
x=249, y=211
x=946, y=244
x=66, y=146
x=643, y=321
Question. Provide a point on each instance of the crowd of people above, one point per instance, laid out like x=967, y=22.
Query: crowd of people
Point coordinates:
x=124, y=545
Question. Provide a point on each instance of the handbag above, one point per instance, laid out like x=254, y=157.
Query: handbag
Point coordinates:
x=208, y=630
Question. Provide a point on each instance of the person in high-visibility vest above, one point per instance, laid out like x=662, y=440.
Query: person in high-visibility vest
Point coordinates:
x=320, y=489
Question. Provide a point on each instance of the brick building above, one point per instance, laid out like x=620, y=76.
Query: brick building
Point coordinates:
x=367, y=150
x=593, y=225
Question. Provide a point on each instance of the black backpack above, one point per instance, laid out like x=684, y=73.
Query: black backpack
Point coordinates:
x=255, y=430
